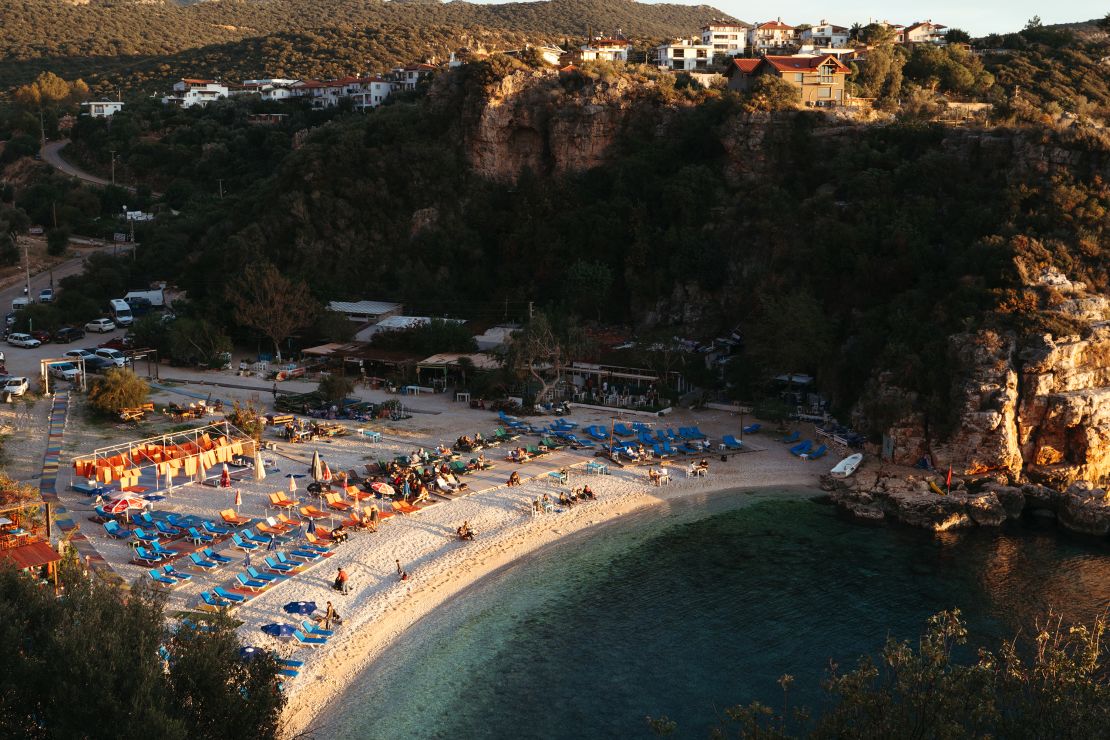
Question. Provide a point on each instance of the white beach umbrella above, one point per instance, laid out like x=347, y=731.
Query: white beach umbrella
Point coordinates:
x=259, y=465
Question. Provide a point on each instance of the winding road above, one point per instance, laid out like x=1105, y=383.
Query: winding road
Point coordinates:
x=51, y=153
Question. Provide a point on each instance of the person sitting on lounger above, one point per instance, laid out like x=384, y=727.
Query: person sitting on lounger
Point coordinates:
x=564, y=500
x=339, y=534
x=588, y=493
x=514, y=479
x=478, y=440
x=443, y=451
x=444, y=486
x=654, y=476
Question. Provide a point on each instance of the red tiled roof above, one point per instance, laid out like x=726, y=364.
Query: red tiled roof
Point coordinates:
x=608, y=42
x=190, y=81
x=311, y=83
x=568, y=69
x=803, y=64
x=747, y=66
x=774, y=26
x=420, y=68
x=30, y=556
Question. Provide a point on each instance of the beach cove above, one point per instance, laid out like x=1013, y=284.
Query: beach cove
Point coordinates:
x=381, y=608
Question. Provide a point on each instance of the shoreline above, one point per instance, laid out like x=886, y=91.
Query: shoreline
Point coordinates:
x=447, y=574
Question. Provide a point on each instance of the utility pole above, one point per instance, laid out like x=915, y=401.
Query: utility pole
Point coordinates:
x=530, y=312
x=113, y=166
x=42, y=129
x=221, y=182
x=54, y=210
x=27, y=268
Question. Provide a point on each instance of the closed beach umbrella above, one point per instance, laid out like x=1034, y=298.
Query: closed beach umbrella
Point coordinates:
x=225, y=478
x=292, y=484
x=238, y=500
x=259, y=465
x=279, y=630
x=169, y=478
x=316, y=470
x=312, y=526
x=325, y=473
x=383, y=488
x=300, y=607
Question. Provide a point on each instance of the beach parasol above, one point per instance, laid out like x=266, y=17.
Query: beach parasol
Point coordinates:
x=225, y=478
x=169, y=479
x=316, y=469
x=300, y=607
x=259, y=465
x=325, y=473
x=123, y=503
x=249, y=653
x=312, y=526
x=383, y=488
x=238, y=500
x=279, y=630
x=292, y=484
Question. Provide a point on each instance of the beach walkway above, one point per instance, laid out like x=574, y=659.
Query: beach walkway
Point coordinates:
x=48, y=487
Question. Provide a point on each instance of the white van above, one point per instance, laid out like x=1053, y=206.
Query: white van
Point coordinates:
x=121, y=312
x=19, y=304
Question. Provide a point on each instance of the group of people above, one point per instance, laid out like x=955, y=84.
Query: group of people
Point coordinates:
x=470, y=444
x=464, y=532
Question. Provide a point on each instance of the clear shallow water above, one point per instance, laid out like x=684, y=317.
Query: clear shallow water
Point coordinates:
x=686, y=609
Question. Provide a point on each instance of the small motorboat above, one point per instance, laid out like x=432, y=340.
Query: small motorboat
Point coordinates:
x=846, y=467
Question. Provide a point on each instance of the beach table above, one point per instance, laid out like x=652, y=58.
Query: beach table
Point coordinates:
x=370, y=434
x=597, y=468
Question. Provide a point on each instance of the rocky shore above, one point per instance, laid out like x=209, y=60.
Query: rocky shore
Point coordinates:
x=877, y=496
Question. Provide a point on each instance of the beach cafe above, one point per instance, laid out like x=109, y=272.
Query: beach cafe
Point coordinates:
x=25, y=540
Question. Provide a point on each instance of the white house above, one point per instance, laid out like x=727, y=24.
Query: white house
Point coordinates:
x=825, y=35
x=772, y=37
x=407, y=78
x=364, y=311
x=683, y=54
x=102, y=108
x=727, y=39
x=603, y=49
x=269, y=89
x=369, y=92
x=549, y=54
x=189, y=92
x=396, y=323
x=926, y=32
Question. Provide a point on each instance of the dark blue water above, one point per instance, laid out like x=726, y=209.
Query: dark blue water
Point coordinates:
x=693, y=607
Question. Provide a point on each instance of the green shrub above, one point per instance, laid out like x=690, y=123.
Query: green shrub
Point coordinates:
x=117, y=389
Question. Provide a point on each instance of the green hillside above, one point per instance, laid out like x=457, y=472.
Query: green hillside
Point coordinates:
x=123, y=44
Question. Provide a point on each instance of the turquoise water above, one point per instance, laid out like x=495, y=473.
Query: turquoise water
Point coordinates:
x=692, y=607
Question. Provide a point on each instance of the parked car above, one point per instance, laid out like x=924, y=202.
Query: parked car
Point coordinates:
x=10, y=318
x=127, y=341
x=16, y=386
x=23, y=340
x=113, y=355
x=85, y=354
x=96, y=364
x=46, y=295
x=100, y=325
x=68, y=334
x=42, y=336
x=65, y=371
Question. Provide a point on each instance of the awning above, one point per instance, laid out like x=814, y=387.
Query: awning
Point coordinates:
x=33, y=555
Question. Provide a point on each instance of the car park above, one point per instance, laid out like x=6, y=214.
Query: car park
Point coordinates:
x=68, y=334
x=15, y=386
x=101, y=325
x=23, y=340
x=65, y=371
x=46, y=295
x=42, y=336
x=112, y=355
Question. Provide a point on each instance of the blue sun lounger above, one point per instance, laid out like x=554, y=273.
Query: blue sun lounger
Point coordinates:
x=201, y=563
x=172, y=572
x=249, y=583
x=791, y=438
x=215, y=556
x=752, y=428
x=817, y=453
x=214, y=600
x=115, y=530
x=225, y=594
x=161, y=579
x=802, y=448
x=304, y=640
x=275, y=567
x=315, y=630
x=264, y=577
x=141, y=553
x=731, y=442
x=198, y=538
x=242, y=545
x=623, y=431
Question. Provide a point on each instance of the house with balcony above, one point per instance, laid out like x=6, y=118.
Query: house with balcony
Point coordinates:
x=602, y=49
x=925, y=32
x=825, y=35
x=189, y=92
x=101, y=108
x=267, y=89
x=727, y=39
x=772, y=37
x=820, y=79
x=683, y=55
x=408, y=77
x=369, y=92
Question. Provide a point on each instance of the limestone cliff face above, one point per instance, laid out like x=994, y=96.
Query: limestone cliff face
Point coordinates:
x=1040, y=411
x=517, y=126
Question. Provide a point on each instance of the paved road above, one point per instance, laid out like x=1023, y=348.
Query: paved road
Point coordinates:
x=52, y=155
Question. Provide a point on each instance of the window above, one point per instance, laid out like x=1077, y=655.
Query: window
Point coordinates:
x=824, y=92
x=799, y=77
x=678, y=53
x=701, y=53
x=828, y=74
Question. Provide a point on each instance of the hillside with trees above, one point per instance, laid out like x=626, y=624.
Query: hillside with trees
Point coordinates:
x=129, y=45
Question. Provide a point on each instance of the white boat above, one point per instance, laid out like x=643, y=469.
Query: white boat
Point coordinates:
x=846, y=467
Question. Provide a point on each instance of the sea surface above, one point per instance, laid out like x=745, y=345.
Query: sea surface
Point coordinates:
x=685, y=609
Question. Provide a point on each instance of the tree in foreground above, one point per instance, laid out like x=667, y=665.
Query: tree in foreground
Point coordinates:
x=271, y=303
x=1051, y=686
x=541, y=351
x=93, y=664
x=117, y=389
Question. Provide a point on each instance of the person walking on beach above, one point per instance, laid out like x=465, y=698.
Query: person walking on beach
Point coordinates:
x=330, y=615
x=340, y=584
x=401, y=574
